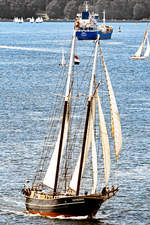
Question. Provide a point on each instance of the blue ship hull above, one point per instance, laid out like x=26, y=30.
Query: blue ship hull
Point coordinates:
x=92, y=35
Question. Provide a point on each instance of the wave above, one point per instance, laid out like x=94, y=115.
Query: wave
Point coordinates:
x=10, y=200
x=28, y=49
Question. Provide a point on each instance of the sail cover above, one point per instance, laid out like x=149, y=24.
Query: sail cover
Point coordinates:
x=115, y=118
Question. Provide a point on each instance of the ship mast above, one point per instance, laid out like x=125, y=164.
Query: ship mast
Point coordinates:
x=104, y=20
x=67, y=95
x=87, y=117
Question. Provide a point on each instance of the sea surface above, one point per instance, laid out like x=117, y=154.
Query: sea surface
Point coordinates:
x=29, y=54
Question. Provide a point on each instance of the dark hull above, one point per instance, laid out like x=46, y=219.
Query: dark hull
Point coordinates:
x=65, y=206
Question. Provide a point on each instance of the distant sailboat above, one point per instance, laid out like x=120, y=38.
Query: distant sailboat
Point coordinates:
x=63, y=61
x=119, y=29
x=139, y=53
x=39, y=20
x=18, y=20
x=32, y=20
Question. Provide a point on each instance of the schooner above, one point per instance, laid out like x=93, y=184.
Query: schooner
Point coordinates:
x=74, y=174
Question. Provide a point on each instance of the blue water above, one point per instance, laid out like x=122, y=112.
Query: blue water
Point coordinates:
x=28, y=56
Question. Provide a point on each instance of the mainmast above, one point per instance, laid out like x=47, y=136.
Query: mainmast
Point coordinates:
x=104, y=20
x=86, y=6
x=65, y=110
x=87, y=117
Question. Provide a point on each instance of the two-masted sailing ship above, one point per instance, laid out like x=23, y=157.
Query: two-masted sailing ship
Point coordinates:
x=143, y=52
x=76, y=174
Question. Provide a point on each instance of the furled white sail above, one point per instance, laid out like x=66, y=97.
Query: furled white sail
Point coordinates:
x=115, y=118
x=105, y=142
x=49, y=179
x=140, y=49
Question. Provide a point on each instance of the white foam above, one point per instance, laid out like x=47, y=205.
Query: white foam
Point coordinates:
x=28, y=49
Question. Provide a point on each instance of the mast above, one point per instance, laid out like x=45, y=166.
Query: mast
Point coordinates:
x=104, y=20
x=65, y=111
x=86, y=6
x=87, y=117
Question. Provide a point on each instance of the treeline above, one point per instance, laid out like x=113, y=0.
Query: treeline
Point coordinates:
x=67, y=9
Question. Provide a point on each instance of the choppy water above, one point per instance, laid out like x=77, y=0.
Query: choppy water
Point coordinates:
x=28, y=55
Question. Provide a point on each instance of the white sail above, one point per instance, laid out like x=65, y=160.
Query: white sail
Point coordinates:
x=49, y=179
x=140, y=49
x=147, y=52
x=63, y=61
x=105, y=142
x=115, y=118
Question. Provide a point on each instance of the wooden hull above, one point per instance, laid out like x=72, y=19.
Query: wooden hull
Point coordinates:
x=65, y=206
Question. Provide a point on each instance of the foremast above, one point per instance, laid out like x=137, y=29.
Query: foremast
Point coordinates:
x=52, y=174
x=67, y=95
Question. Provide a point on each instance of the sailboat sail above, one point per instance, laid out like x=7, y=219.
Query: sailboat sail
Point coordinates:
x=63, y=61
x=51, y=176
x=105, y=142
x=139, y=51
x=147, y=52
x=115, y=118
x=90, y=140
x=49, y=179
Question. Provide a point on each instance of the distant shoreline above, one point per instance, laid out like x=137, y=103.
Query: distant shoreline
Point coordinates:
x=64, y=20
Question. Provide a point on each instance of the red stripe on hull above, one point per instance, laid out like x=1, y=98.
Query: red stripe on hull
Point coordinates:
x=51, y=214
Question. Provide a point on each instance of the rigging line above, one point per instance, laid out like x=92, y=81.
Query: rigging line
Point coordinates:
x=50, y=123
x=46, y=139
x=46, y=148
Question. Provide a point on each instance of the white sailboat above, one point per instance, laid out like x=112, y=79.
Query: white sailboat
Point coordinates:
x=39, y=20
x=77, y=150
x=140, y=53
x=63, y=61
x=31, y=20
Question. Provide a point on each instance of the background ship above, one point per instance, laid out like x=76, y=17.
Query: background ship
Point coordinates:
x=87, y=27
